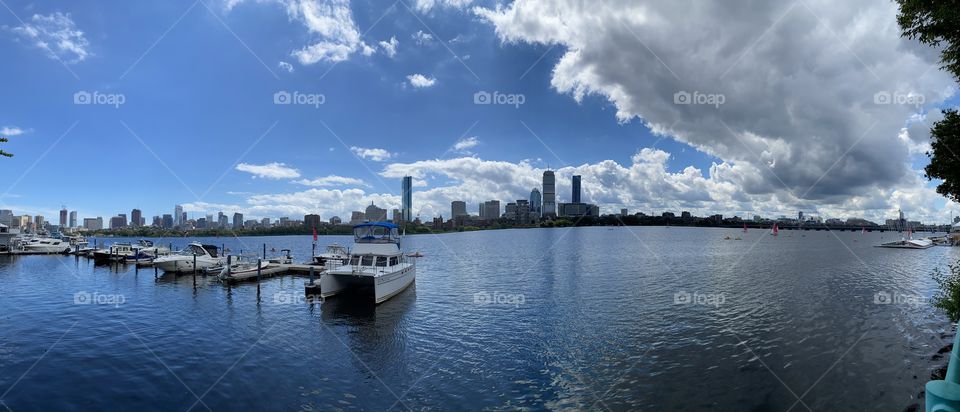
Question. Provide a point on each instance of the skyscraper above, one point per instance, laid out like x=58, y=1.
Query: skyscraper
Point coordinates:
x=458, y=208
x=63, y=217
x=177, y=215
x=135, y=217
x=490, y=210
x=73, y=219
x=575, y=196
x=407, y=199
x=237, y=221
x=536, y=201
x=549, y=194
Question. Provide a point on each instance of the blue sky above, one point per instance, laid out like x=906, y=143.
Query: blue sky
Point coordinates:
x=198, y=81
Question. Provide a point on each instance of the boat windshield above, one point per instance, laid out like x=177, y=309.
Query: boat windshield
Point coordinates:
x=375, y=234
x=194, y=250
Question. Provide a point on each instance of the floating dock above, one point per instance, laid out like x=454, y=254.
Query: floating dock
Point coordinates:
x=272, y=270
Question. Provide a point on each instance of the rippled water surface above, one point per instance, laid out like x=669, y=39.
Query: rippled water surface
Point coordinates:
x=582, y=318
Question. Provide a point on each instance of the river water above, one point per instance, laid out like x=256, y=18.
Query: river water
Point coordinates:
x=638, y=318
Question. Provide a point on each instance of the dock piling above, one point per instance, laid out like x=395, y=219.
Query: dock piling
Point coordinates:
x=264, y=250
x=258, y=278
x=194, y=266
x=228, y=264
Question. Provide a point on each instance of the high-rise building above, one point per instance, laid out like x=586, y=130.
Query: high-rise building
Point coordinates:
x=458, y=208
x=63, y=217
x=135, y=217
x=237, y=221
x=177, y=215
x=265, y=222
x=536, y=201
x=406, y=199
x=73, y=219
x=549, y=194
x=376, y=214
x=222, y=220
x=118, y=222
x=311, y=221
x=335, y=220
x=397, y=216
x=6, y=217
x=167, y=221
x=490, y=210
x=38, y=222
x=575, y=196
x=92, y=223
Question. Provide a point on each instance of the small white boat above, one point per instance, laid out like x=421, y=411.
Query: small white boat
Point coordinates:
x=115, y=252
x=47, y=245
x=376, y=262
x=205, y=257
x=334, y=254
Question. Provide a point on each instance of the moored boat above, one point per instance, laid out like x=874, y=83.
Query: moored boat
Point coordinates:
x=334, y=254
x=195, y=257
x=47, y=245
x=376, y=262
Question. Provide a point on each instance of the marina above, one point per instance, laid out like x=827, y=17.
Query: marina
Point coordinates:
x=555, y=308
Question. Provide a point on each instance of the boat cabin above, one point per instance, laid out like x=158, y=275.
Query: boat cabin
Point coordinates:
x=376, y=232
x=201, y=250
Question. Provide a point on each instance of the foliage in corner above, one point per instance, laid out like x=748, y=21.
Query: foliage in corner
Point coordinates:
x=2, y=153
x=934, y=23
x=948, y=297
x=945, y=155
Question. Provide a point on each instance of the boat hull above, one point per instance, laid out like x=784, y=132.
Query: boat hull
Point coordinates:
x=384, y=286
x=183, y=265
x=47, y=249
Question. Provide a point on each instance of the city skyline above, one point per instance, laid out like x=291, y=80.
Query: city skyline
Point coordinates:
x=520, y=211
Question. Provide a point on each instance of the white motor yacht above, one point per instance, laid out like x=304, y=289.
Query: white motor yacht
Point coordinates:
x=47, y=245
x=205, y=257
x=334, y=254
x=376, y=262
x=116, y=252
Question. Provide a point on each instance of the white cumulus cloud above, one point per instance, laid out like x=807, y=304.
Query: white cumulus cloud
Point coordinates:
x=377, y=155
x=783, y=92
x=11, y=131
x=465, y=144
x=56, y=34
x=332, y=180
x=270, y=170
x=390, y=47
x=420, y=81
x=422, y=38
